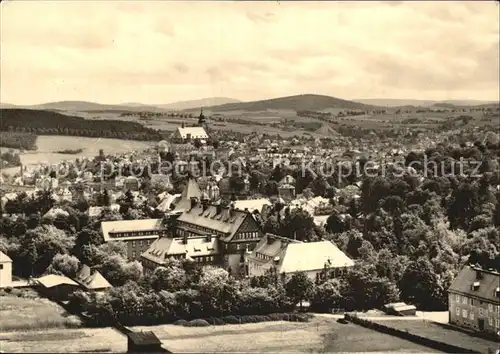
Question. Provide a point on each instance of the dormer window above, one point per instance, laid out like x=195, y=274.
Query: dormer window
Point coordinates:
x=497, y=292
x=475, y=286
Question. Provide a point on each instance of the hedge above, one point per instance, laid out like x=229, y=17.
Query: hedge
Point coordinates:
x=291, y=317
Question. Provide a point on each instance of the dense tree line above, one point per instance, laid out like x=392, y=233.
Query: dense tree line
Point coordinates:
x=18, y=140
x=53, y=123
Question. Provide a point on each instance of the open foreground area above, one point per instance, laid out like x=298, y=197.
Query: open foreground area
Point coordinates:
x=443, y=334
x=319, y=335
x=29, y=312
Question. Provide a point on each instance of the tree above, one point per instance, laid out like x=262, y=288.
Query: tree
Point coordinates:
x=299, y=288
x=420, y=285
x=327, y=296
x=64, y=264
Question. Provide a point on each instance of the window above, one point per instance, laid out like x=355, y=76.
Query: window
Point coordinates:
x=480, y=311
x=141, y=243
x=472, y=302
x=133, y=254
x=490, y=307
x=457, y=299
x=458, y=311
x=133, y=243
x=1, y=266
x=471, y=316
x=464, y=313
x=490, y=321
x=464, y=300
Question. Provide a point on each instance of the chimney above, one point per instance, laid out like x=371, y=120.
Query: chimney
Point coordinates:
x=204, y=204
x=270, y=239
x=185, y=239
x=194, y=201
x=219, y=209
x=231, y=210
x=479, y=274
x=209, y=238
x=246, y=209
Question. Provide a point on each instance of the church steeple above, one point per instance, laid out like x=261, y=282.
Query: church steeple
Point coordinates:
x=201, y=119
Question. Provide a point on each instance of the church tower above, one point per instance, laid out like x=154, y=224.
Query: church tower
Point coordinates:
x=202, y=120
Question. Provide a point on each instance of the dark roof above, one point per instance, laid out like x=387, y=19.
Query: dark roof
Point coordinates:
x=191, y=190
x=217, y=218
x=489, y=283
x=143, y=338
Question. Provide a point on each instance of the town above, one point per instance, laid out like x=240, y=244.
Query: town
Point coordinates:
x=304, y=223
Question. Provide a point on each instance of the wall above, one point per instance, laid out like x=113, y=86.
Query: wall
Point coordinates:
x=5, y=274
x=476, y=310
x=138, y=246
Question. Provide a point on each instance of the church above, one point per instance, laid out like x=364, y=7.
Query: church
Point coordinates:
x=185, y=134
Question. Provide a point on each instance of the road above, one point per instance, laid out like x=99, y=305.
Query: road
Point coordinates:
x=438, y=316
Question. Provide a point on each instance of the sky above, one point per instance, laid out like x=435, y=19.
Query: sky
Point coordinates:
x=161, y=52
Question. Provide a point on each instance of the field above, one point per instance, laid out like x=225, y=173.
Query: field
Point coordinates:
x=90, y=340
x=320, y=335
x=443, y=334
x=29, y=312
x=49, y=145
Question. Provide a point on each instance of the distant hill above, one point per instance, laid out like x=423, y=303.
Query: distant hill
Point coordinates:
x=45, y=122
x=83, y=106
x=388, y=102
x=204, y=102
x=307, y=102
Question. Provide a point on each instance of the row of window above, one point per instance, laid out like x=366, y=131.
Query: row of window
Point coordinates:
x=204, y=259
x=201, y=228
x=247, y=235
x=470, y=315
x=473, y=302
x=134, y=233
x=264, y=256
x=141, y=242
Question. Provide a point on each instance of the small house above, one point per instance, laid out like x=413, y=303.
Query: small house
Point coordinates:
x=5, y=270
x=56, y=287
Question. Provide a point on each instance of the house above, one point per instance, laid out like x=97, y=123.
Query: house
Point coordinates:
x=237, y=231
x=131, y=183
x=191, y=190
x=56, y=286
x=91, y=280
x=290, y=256
x=187, y=134
x=252, y=205
x=287, y=180
x=286, y=191
x=137, y=234
x=144, y=342
x=168, y=202
x=202, y=249
x=95, y=211
x=474, y=300
x=5, y=270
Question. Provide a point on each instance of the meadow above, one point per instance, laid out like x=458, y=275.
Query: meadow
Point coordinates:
x=443, y=334
x=49, y=145
x=23, y=310
x=318, y=336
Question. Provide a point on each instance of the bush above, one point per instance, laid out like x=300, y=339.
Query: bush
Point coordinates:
x=215, y=321
x=276, y=316
x=197, y=323
x=231, y=319
x=180, y=323
x=8, y=290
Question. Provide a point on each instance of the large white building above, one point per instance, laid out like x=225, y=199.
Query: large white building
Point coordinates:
x=186, y=134
x=289, y=256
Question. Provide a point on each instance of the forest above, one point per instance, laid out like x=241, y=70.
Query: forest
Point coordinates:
x=52, y=123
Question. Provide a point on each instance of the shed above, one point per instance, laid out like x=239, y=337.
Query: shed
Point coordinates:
x=57, y=287
x=144, y=342
x=400, y=309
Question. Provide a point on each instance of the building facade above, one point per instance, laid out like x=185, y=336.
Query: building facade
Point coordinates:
x=5, y=270
x=137, y=234
x=474, y=300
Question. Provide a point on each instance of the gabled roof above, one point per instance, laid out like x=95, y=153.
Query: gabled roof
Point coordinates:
x=168, y=200
x=91, y=281
x=4, y=258
x=227, y=221
x=129, y=225
x=166, y=247
x=191, y=190
x=488, y=283
x=52, y=280
x=292, y=256
x=195, y=132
